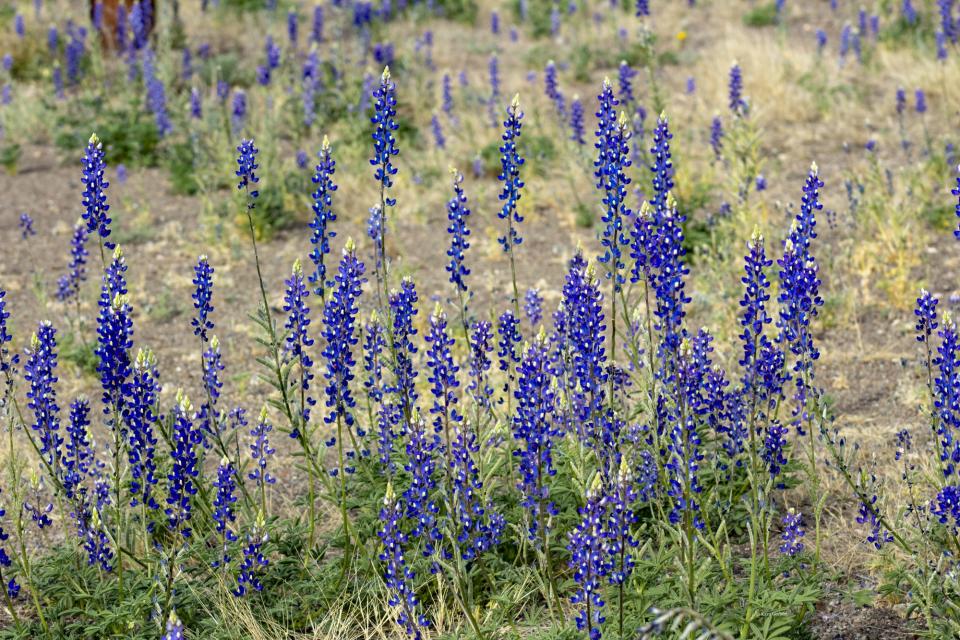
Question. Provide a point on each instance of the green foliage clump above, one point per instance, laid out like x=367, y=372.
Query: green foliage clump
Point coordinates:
x=764, y=15
x=129, y=131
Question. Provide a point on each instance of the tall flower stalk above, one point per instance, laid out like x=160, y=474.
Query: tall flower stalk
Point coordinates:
x=323, y=216
x=339, y=333
x=613, y=159
x=384, y=148
x=510, y=165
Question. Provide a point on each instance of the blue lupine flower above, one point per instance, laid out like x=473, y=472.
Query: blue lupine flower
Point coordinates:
x=493, y=66
x=447, y=101
x=589, y=559
x=68, y=285
x=142, y=417
x=209, y=418
x=792, y=533
x=926, y=312
x=114, y=339
x=140, y=21
x=384, y=140
x=254, y=561
x=196, y=104
x=7, y=362
x=261, y=451
x=238, y=114
x=18, y=25
x=773, y=453
x=40, y=516
x=535, y=433
x=901, y=101
x=610, y=172
x=620, y=498
x=625, y=76
x=95, y=191
x=58, y=82
x=643, y=8
x=77, y=454
x=437, y=131
x=737, y=104
x=13, y=588
x=310, y=84
x=121, y=29
x=53, y=41
x=495, y=23
x=292, y=28
x=762, y=360
x=398, y=574
x=947, y=23
x=576, y=121
x=323, y=216
x=669, y=271
x=946, y=395
x=246, y=171
x=75, y=51
x=584, y=335
x=684, y=459
x=946, y=506
x=26, y=226
x=716, y=136
x=868, y=514
x=181, y=481
x=533, y=306
x=422, y=505
x=821, y=40
x=339, y=319
x=156, y=94
x=941, y=40
x=846, y=35
x=761, y=183
x=508, y=332
x=316, y=31
x=662, y=167
x=510, y=164
x=442, y=375
x=89, y=527
x=481, y=345
x=186, y=65
x=383, y=53
x=40, y=371
x=921, y=101
x=224, y=513
x=272, y=53
x=691, y=85
x=457, y=214
x=799, y=297
x=376, y=226
x=554, y=21
x=552, y=90
x=174, y=628
x=202, y=298
x=907, y=11
x=298, y=340
x=374, y=344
